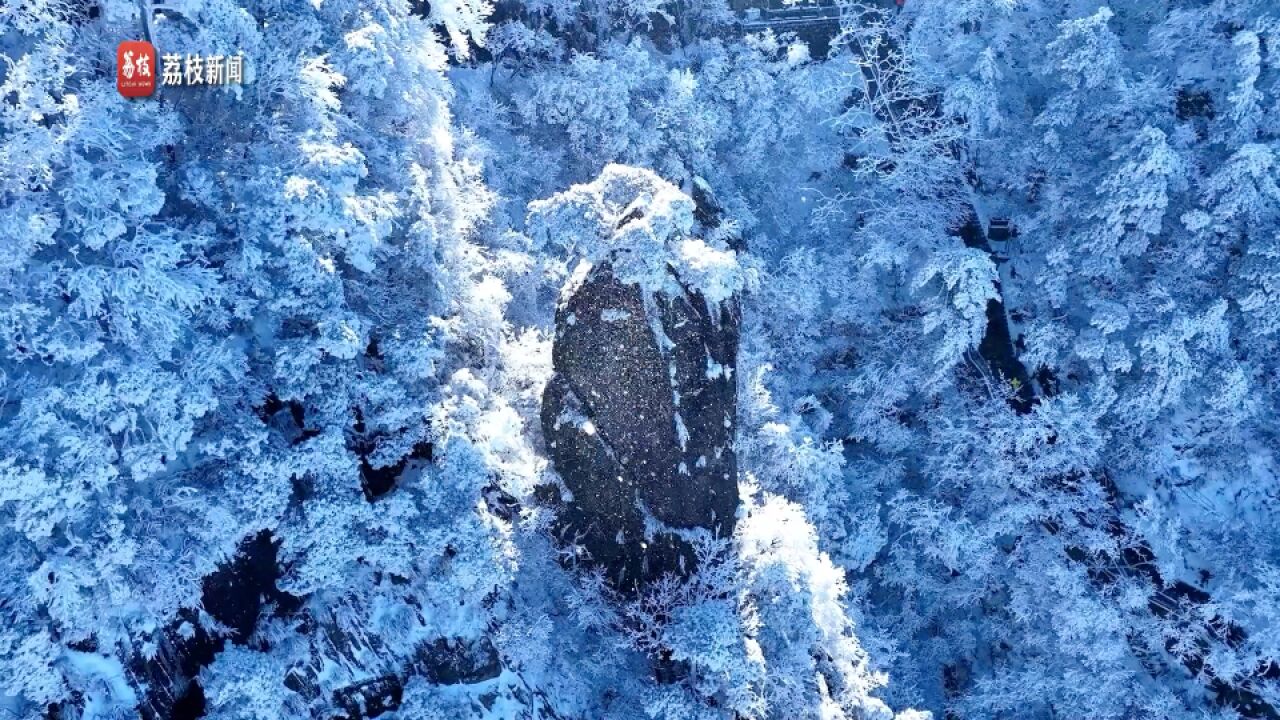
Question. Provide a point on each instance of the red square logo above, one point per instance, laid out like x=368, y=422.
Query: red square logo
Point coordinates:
x=135, y=68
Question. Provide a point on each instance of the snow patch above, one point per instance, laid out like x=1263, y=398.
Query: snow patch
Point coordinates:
x=110, y=692
x=716, y=370
x=642, y=225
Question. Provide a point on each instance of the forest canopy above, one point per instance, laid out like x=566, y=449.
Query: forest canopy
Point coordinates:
x=642, y=359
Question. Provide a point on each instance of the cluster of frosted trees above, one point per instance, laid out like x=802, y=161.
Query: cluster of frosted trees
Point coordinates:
x=1030, y=475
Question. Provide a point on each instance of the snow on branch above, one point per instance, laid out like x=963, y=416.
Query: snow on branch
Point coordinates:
x=644, y=227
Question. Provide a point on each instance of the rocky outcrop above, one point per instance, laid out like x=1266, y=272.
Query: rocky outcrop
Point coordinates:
x=998, y=351
x=233, y=596
x=639, y=416
x=353, y=675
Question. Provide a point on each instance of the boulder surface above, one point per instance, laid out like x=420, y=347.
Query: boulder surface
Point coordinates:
x=639, y=416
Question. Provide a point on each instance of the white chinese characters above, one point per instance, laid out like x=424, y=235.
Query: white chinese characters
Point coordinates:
x=141, y=68
x=196, y=69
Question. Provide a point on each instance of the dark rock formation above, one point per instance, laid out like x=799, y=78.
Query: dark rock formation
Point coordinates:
x=998, y=349
x=639, y=419
x=452, y=661
x=368, y=699
x=445, y=661
x=234, y=596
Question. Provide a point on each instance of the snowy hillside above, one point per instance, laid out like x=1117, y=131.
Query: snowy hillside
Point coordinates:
x=675, y=359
